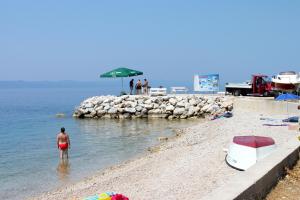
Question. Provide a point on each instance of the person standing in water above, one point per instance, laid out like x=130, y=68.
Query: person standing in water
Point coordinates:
x=63, y=143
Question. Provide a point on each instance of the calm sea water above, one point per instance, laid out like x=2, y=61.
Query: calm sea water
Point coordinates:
x=29, y=162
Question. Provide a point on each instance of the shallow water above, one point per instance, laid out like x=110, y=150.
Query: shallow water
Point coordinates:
x=29, y=161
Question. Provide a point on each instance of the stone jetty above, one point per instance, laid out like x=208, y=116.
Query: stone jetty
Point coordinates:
x=138, y=106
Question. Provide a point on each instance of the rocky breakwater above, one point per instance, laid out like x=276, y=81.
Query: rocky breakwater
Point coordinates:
x=171, y=106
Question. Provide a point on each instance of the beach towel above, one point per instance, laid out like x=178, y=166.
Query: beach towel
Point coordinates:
x=269, y=119
x=294, y=119
x=119, y=197
x=107, y=195
x=95, y=197
x=275, y=124
x=226, y=115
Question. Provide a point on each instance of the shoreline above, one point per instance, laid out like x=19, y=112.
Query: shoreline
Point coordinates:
x=190, y=165
x=147, y=153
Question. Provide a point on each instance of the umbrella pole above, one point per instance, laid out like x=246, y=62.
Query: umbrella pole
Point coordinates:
x=122, y=85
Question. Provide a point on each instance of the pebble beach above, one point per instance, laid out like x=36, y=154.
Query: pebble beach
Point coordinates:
x=190, y=164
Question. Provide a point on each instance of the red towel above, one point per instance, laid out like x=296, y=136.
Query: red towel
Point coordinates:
x=119, y=197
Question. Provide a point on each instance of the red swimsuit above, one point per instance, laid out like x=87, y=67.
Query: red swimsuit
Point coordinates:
x=63, y=146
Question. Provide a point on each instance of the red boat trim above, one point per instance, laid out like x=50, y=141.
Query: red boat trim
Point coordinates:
x=253, y=141
x=285, y=86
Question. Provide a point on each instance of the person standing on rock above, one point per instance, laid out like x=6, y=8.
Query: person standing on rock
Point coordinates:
x=63, y=144
x=145, y=86
x=131, y=84
x=138, y=87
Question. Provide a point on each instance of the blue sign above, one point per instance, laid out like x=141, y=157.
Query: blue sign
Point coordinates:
x=206, y=83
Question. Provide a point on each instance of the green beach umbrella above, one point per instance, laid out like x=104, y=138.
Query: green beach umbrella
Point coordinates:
x=121, y=73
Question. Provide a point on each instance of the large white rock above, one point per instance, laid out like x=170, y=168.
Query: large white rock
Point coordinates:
x=206, y=107
x=99, y=101
x=178, y=111
x=106, y=107
x=140, y=101
x=93, y=113
x=124, y=97
x=196, y=109
x=112, y=111
x=131, y=98
x=89, y=105
x=181, y=104
x=194, y=102
x=170, y=108
x=149, y=101
x=187, y=106
x=154, y=111
x=226, y=104
x=144, y=111
x=179, y=98
x=213, y=108
x=183, y=116
x=157, y=100
x=149, y=106
x=120, y=110
x=165, y=98
x=130, y=104
x=100, y=113
x=118, y=101
x=163, y=106
x=122, y=105
x=130, y=110
x=139, y=108
x=155, y=105
x=172, y=101
x=134, y=104
x=192, y=111
x=107, y=100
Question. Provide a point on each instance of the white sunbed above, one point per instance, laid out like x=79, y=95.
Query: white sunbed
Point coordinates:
x=179, y=89
x=158, y=91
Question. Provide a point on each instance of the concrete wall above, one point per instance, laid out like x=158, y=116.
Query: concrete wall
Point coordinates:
x=266, y=106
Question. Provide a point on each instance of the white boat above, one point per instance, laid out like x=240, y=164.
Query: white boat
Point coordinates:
x=245, y=151
x=286, y=81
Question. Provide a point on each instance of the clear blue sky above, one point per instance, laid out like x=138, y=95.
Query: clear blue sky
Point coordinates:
x=168, y=40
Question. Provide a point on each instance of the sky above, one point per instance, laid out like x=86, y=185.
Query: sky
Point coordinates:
x=167, y=40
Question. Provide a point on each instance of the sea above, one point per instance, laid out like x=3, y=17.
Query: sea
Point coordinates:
x=29, y=162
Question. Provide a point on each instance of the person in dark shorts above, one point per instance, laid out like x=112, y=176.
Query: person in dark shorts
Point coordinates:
x=131, y=84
